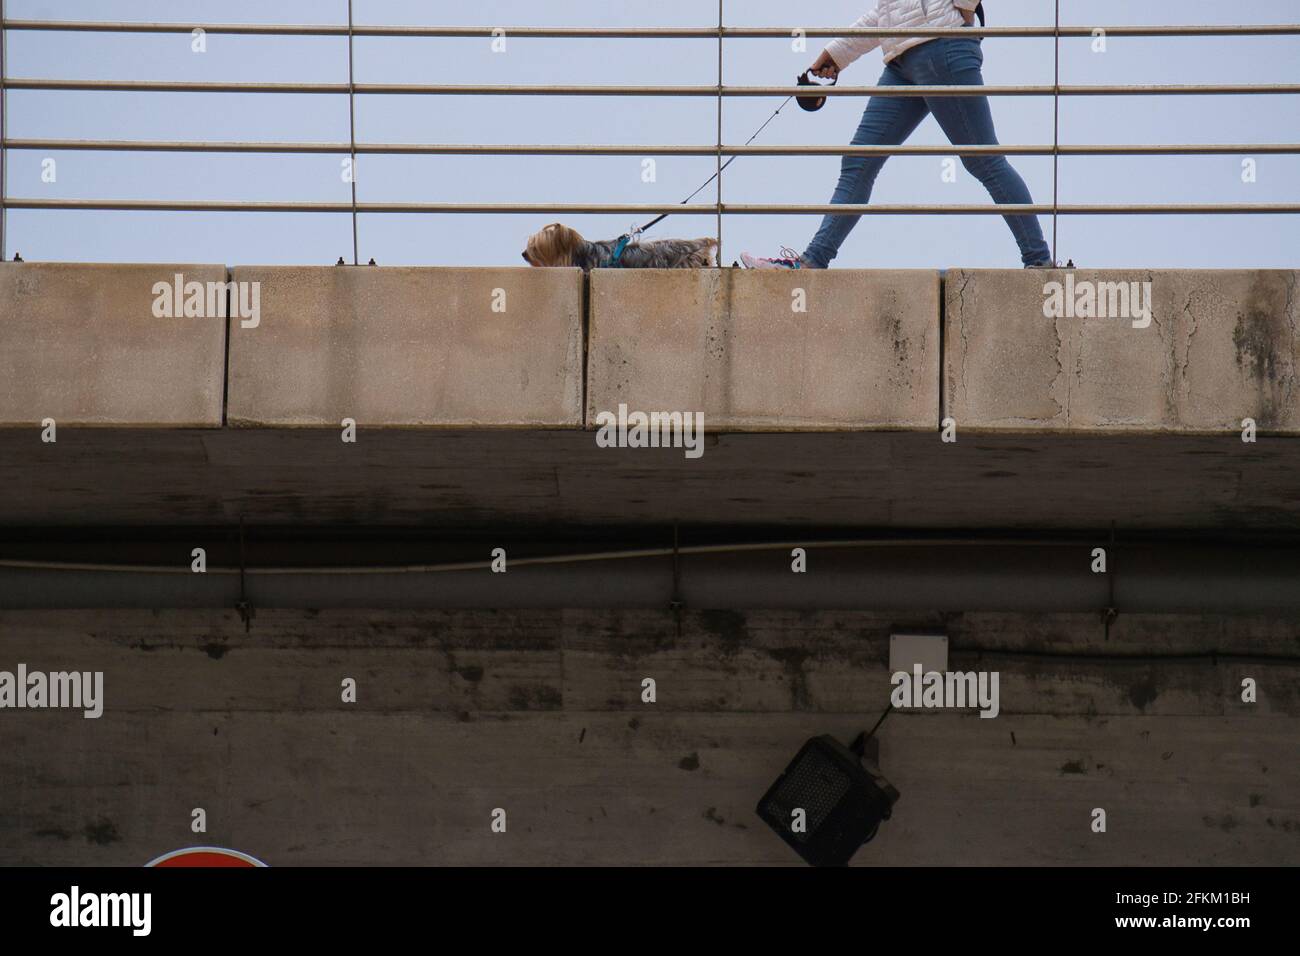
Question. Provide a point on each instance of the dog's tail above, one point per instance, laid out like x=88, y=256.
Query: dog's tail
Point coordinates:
x=710, y=246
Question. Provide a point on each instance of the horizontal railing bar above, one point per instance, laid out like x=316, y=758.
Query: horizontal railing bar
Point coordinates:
x=699, y=209
x=652, y=33
x=155, y=86
x=575, y=149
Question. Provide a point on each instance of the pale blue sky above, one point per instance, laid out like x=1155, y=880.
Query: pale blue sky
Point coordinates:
x=878, y=242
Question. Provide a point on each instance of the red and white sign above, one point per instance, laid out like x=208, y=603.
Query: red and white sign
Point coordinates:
x=205, y=856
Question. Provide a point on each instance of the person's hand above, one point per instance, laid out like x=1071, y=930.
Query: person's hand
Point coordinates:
x=968, y=16
x=825, y=67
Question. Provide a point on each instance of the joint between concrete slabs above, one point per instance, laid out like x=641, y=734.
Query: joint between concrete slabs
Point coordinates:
x=225, y=375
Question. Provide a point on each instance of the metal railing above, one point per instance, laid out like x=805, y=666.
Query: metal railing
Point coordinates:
x=719, y=91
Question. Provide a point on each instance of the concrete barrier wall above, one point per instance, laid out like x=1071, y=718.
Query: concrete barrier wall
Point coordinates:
x=1155, y=351
x=1022, y=351
x=409, y=347
x=844, y=349
x=126, y=345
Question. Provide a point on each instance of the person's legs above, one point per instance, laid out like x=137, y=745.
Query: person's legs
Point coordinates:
x=968, y=121
x=887, y=121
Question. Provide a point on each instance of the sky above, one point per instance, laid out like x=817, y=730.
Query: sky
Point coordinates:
x=1238, y=241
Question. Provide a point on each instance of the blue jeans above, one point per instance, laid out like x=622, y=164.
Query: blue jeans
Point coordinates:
x=967, y=121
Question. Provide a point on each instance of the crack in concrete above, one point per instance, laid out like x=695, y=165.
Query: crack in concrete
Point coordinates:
x=1288, y=313
x=1196, y=325
x=1181, y=383
x=1060, y=374
x=961, y=327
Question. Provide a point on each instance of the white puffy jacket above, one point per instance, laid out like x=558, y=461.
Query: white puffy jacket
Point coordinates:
x=898, y=15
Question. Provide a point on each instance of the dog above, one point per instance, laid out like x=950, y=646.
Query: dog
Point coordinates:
x=558, y=245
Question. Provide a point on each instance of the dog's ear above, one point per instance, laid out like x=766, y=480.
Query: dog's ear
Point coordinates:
x=554, y=245
x=564, y=244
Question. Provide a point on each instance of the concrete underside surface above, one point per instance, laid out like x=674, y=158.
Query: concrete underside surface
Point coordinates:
x=560, y=480
x=471, y=426
x=540, y=713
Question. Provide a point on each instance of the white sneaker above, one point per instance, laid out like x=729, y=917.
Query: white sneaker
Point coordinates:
x=789, y=260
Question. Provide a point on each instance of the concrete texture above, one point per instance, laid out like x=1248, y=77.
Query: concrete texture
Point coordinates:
x=409, y=347
x=540, y=713
x=729, y=343
x=559, y=480
x=83, y=345
x=1220, y=347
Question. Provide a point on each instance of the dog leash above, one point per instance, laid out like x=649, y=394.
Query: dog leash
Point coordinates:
x=625, y=239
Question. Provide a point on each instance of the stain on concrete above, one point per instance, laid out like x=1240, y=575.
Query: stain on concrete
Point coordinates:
x=1256, y=799
x=900, y=340
x=215, y=651
x=1264, y=344
x=53, y=833
x=712, y=814
x=793, y=659
x=728, y=626
x=102, y=832
x=1226, y=823
x=690, y=762
x=536, y=698
x=1143, y=692
x=472, y=673
x=1073, y=766
x=634, y=724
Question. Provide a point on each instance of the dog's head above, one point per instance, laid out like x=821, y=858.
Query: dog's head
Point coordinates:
x=553, y=246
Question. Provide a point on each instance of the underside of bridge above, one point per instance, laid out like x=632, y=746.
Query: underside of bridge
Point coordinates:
x=404, y=479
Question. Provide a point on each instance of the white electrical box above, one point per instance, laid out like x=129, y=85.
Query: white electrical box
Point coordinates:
x=928, y=650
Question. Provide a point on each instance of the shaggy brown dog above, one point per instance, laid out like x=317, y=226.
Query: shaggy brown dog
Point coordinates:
x=558, y=245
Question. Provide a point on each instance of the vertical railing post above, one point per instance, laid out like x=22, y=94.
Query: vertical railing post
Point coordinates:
x=1056, y=128
x=4, y=132
x=352, y=132
x=719, y=143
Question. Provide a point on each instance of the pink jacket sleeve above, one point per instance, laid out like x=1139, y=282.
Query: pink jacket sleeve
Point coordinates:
x=847, y=49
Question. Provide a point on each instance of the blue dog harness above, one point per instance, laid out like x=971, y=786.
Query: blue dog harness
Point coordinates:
x=619, y=249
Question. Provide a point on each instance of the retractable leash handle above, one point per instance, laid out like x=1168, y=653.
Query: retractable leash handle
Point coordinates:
x=812, y=103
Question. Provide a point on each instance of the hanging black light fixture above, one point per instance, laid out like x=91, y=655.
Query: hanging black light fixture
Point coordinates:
x=829, y=801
